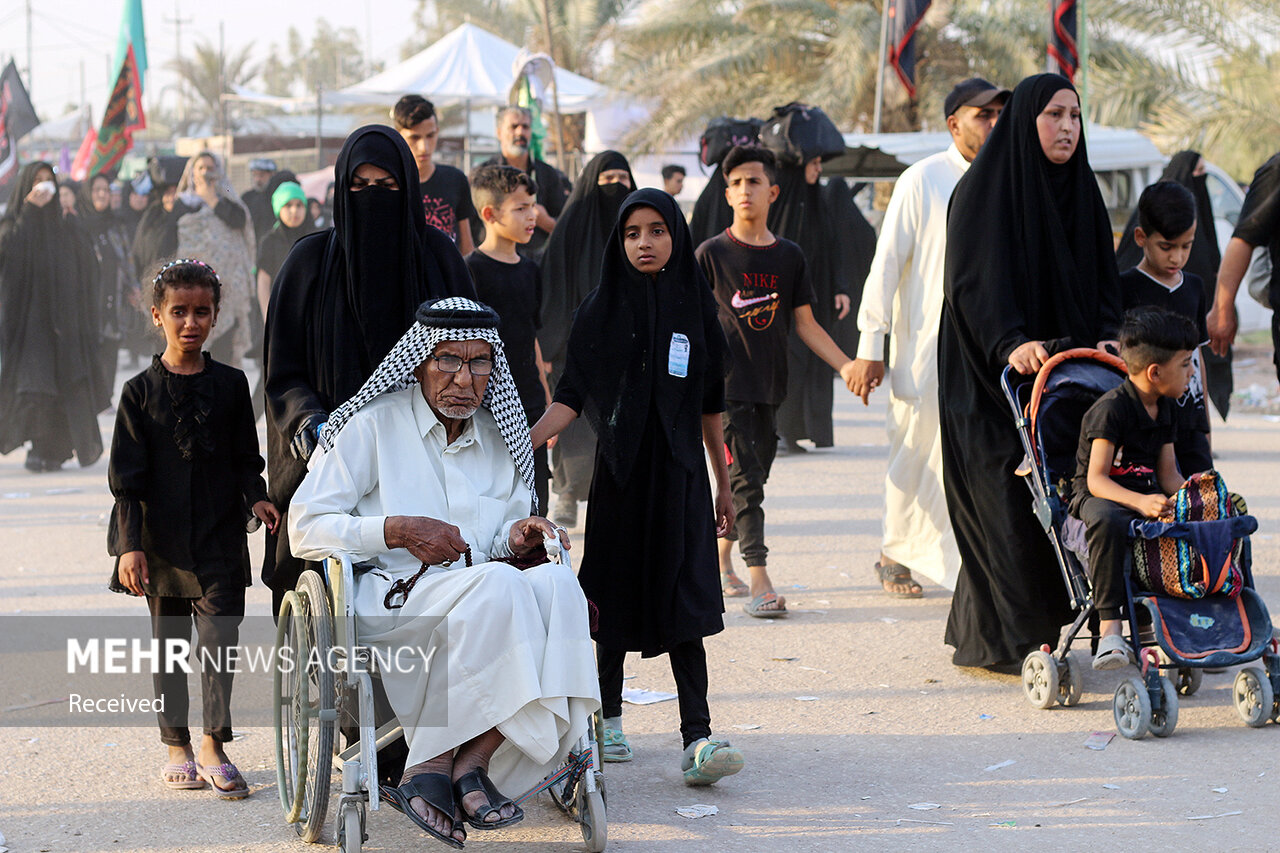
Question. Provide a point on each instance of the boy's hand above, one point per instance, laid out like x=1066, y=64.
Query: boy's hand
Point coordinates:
x=847, y=373
x=1222, y=328
x=724, y=511
x=867, y=376
x=133, y=572
x=1154, y=506
x=843, y=304
x=267, y=513
x=1029, y=357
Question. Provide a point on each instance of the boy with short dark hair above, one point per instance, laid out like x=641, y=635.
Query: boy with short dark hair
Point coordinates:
x=445, y=195
x=761, y=283
x=1165, y=232
x=506, y=199
x=1125, y=464
x=673, y=179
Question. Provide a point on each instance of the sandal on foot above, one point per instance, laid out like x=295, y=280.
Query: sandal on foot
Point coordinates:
x=707, y=761
x=478, y=780
x=896, y=573
x=756, y=607
x=732, y=586
x=238, y=788
x=437, y=790
x=616, y=749
x=1113, y=653
x=189, y=779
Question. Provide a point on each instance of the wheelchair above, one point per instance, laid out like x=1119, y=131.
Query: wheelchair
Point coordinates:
x=322, y=676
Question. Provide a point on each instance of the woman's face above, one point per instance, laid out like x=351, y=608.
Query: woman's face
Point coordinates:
x=369, y=175
x=1199, y=170
x=100, y=194
x=205, y=171
x=813, y=170
x=137, y=202
x=1059, y=126
x=44, y=173
x=647, y=240
x=292, y=214
x=614, y=176
x=68, y=199
x=167, y=198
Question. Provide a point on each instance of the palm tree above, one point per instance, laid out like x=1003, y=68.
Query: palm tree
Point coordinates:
x=204, y=72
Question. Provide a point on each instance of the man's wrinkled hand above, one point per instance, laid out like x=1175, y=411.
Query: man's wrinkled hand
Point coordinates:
x=528, y=534
x=430, y=540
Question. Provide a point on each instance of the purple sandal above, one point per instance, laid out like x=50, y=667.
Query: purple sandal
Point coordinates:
x=239, y=788
x=190, y=780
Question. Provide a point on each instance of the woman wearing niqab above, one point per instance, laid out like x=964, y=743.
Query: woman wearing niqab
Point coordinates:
x=570, y=270
x=1187, y=168
x=342, y=299
x=49, y=331
x=1029, y=259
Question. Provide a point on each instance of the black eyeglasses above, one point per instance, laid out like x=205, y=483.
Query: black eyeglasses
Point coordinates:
x=479, y=366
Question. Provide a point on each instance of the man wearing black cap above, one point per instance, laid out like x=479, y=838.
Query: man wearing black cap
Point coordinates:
x=903, y=296
x=257, y=199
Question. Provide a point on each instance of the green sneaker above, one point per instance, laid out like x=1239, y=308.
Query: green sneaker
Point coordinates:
x=706, y=762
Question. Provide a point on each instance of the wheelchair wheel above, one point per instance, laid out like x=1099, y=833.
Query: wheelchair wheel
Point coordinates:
x=304, y=711
x=1165, y=719
x=1040, y=679
x=591, y=815
x=1132, y=708
x=1253, y=696
x=1070, y=683
x=351, y=829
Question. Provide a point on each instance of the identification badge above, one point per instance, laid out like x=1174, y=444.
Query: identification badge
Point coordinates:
x=678, y=357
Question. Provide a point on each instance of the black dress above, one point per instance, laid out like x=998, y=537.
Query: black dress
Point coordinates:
x=185, y=472
x=1029, y=258
x=650, y=563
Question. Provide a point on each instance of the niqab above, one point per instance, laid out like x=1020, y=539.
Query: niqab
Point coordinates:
x=572, y=262
x=622, y=334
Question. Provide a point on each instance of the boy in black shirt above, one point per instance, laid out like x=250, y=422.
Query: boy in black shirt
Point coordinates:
x=1166, y=229
x=761, y=283
x=445, y=194
x=1125, y=465
x=508, y=283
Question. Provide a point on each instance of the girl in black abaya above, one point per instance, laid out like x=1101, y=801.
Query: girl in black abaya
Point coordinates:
x=645, y=364
x=342, y=299
x=570, y=270
x=1030, y=271
x=49, y=329
x=1187, y=168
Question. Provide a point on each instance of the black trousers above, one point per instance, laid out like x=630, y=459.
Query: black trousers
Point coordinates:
x=751, y=434
x=688, y=667
x=217, y=616
x=1107, y=532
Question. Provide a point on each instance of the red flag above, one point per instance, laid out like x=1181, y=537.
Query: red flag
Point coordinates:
x=123, y=115
x=1062, y=47
x=904, y=17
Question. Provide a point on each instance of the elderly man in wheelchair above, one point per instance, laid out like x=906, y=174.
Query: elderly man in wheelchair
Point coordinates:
x=424, y=477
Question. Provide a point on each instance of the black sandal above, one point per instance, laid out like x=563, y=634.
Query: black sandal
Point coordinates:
x=478, y=780
x=437, y=790
x=896, y=573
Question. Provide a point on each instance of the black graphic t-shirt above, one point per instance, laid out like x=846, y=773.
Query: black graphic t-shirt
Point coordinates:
x=758, y=289
x=446, y=196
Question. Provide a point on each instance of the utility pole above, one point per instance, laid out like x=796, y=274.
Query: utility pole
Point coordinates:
x=177, y=21
x=29, y=82
x=555, y=89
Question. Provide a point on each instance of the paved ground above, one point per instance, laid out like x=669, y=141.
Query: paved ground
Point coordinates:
x=857, y=729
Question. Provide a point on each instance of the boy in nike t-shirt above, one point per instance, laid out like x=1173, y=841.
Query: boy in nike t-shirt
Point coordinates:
x=760, y=283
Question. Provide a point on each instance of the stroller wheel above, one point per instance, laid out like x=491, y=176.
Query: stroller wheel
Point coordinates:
x=1070, y=682
x=1189, y=680
x=1040, y=679
x=1132, y=708
x=1165, y=719
x=1253, y=697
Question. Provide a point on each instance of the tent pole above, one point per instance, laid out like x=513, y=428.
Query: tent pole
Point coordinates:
x=319, y=126
x=884, y=50
x=466, y=140
x=555, y=89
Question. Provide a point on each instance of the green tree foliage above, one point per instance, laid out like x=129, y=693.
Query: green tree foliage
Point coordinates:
x=208, y=78
x=334, y=58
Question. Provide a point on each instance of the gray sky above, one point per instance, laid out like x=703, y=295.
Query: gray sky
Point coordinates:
x=69, y=33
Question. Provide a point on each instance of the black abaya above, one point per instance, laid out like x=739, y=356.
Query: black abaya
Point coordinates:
x=1029, y=258
x=650, y=562
x=49, y=332
x=343, y=297
x=1204, y=260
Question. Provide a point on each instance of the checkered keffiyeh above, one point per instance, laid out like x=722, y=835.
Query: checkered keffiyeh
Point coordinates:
x=450, y=319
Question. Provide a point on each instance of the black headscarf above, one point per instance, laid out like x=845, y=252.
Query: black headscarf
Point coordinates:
x=1205, y=256
x=1029, y=251
x=711, y=212
x=854, y=240
x=571, y=264
x=621, y=339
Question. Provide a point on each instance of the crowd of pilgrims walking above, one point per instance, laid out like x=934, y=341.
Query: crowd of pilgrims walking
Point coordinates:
x=997, y=251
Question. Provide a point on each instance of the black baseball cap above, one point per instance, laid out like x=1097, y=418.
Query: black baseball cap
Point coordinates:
x=974, y=92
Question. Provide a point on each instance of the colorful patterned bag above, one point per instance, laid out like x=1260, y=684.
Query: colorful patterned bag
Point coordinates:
x=1174, y=566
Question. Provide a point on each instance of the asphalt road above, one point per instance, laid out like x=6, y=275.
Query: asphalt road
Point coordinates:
x=858, y=731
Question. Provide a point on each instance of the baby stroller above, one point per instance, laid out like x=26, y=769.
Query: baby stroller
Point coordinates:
x=1185, y=636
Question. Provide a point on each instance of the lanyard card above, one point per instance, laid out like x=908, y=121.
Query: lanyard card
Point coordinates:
x=678, y=357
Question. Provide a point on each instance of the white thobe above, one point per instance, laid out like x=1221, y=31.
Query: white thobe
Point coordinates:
x=902, y=298
x=502, y=648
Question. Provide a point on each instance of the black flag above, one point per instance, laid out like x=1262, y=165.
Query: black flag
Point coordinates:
x=1062, y=47
x=904, y=17
x=17, y=118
